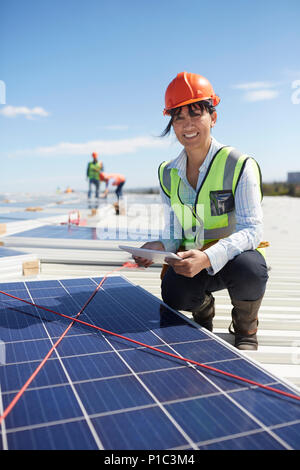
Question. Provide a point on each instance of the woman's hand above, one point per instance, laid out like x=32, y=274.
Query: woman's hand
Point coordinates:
x=191, y=263
x=149, y=246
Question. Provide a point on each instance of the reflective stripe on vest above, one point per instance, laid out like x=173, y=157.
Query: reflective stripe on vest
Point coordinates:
x=214, y=203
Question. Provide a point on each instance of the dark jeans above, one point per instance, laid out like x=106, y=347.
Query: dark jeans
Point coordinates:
x=96, y=183
x=119, y=190
x=244, y=277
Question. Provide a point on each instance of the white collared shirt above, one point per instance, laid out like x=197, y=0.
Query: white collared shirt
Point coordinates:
x=248, y=212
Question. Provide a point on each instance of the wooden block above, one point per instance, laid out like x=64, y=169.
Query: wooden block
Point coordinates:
x=2, y=228
x=30, y=272
x=117, y=209
x=31, y=268
x=121, y=207
x=33, y=209
x=1, y=243
x=93, y=213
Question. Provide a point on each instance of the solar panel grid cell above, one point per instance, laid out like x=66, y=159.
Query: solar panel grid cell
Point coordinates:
x=13, y=376
x=98, y=391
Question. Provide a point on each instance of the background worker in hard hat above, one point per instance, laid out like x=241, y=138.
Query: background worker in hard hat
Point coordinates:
x=113, y=179
x=212, y=195
x=93, y=174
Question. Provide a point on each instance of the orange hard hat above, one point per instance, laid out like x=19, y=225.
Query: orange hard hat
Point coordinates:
x=94, y=154
x=188, y=88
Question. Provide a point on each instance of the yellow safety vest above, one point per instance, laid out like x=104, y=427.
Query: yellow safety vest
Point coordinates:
x=93, y=170
x=212, y=216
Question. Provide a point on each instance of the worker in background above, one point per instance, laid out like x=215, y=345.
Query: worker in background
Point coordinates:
x=112, y=179
x=93, y=174
x=212, y=198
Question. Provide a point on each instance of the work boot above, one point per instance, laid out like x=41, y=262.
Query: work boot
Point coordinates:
x=244, y=323
x=205, y=313
x=117, y=209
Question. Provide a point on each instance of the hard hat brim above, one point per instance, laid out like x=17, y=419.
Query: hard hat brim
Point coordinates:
x=215, y=101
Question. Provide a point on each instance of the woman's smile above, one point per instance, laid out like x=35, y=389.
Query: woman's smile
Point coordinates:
x=190, y=135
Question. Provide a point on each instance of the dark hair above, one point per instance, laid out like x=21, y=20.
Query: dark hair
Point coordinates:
x=192, y=107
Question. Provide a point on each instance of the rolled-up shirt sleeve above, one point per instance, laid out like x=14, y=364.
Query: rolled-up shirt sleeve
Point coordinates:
x=249, y=222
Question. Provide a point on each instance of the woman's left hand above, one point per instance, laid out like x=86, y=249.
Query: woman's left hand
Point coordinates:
x=193, y=261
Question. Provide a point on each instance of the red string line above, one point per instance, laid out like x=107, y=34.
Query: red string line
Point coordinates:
x=75, y=319
x=175, y=355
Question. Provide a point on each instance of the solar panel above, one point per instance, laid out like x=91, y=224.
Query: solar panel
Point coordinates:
x=21, y=216
x=73, y=232
x=98, y=391
x=23, y=202
x=15, y=263
x=6, y=252
x=60, y=231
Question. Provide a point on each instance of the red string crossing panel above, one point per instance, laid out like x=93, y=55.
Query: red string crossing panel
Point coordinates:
x=76, y=319
x=41, y=365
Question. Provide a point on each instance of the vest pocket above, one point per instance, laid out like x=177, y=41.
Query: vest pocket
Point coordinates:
x=221, y=202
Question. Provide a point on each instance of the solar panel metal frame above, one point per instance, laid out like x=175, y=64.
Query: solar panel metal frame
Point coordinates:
x=163, y=421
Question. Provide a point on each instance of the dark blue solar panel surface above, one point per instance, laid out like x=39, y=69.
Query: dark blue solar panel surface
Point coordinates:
x=74, y=232
x=102, y=392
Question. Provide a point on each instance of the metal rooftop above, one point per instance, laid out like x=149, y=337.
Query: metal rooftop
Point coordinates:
x=279, y=316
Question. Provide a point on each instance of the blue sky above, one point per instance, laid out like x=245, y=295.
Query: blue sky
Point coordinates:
x=84, y=76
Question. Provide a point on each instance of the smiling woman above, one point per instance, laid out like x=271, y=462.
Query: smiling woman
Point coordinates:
x=194, y=110
x=212, y=196
x=192, y=124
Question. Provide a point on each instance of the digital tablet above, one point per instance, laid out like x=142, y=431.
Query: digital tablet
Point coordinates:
x=153, y=255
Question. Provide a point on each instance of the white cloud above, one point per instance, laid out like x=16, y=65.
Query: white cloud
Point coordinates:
x=258, y=91
x=254, y=85
x=103, y=147
x=14, y=111
x=261, y=95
